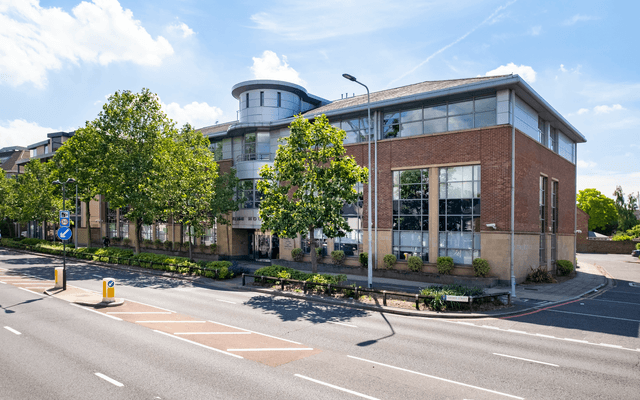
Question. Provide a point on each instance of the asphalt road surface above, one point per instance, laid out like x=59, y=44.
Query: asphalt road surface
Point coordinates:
x=177, y=340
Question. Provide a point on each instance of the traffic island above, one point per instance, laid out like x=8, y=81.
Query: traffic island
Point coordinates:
x=82, y=297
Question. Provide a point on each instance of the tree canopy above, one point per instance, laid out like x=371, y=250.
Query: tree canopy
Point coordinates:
x=601, y=209
x=311, y=180
x=626, y=209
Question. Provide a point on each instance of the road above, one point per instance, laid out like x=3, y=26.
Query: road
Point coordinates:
x=241, y=345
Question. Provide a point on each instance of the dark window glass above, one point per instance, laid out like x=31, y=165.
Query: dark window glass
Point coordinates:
x=279, y=99
x=485, y=119
x=411, y=115
x=463, y=107
x=409, y=223
x=261, y=99
x=486, y=104
x=435, y=111
x=247, y=100
x=435, y=125
x=461, y=122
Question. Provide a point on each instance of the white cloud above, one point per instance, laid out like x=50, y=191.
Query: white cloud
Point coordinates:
x=269, y=66
x=607, y=109
x=197, y=114
x=562, y=68
x=34, y=39
x=578, y=18
x=181, y=28
x=19, y=132
x=586, y=164
x=535, y=31
x=583, y=111
x=526, y=72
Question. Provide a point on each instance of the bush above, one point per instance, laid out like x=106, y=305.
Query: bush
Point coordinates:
x=565, y=267
x=621, y=237
x=481, y=267
x=33, y=241
x=637, y=246
x=437, y=292
x=147, y=242
x=389, y=261
x=540, y=275
x=168, y=244
x=338, y=257
x=157, y=242
x=202, y=247
x=319, y=254
x=214, y=248
x=297, y=254
x=364, y=260
x=415, y=263
x=276, y=270
x=126, y=241
x=444, y=264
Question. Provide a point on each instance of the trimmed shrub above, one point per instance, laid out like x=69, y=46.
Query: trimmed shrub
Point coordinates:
x=147, y=242
x=565, y=267
x=202, y=247
x=481, y=267
x=444, y=264
x=621, y=237
x=338, y=257
x=157, y=243
x=415, y=263
x=126, y=241
x=437, y=304
x=637, y=246
x=297, y=254
x=540, y=275
x=389, y=261
x=276, y=270
x=214, y=248
x=319, y=254
x=364, y=260
x=168, y=244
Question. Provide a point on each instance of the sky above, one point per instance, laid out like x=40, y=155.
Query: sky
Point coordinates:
x=61, y=59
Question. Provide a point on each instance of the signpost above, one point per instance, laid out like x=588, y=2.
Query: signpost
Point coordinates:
x=64, y=233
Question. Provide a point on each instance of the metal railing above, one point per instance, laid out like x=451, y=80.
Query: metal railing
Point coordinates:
x=329, y=288
x=255, y=157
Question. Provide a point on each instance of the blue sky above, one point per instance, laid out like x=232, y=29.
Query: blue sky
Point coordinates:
x=60, y=59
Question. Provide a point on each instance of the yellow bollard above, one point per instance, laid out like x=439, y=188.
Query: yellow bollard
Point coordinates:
x=108, y=290
x=59, y=277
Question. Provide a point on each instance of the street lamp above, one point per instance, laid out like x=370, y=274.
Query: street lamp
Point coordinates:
x=372, y=255
x=64, y=243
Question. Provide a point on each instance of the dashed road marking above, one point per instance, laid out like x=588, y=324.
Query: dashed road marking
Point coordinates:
x=170, y=322
x=274, y=349
x=341, y=323
x=12, y=330
x=212, y=333
x=199, y=344
x=138, y=312
x=437, y=378
x=110, y=380
x=526, y=359
x=336, y=387
x=596, y=316
x=97, y=312
x=226, y=301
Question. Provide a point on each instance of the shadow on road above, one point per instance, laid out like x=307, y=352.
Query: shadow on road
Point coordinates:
x=298, y=310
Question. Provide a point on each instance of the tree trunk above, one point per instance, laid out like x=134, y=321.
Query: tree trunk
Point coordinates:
x=88, y=223
x=314, y=255
x=138, y=235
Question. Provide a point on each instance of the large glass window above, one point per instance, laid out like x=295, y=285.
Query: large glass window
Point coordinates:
x=351, y=242
x=147, y=232
x=357, y=129
x=554, y=221
x=248, y=189
x=543, y=220
x=321, y=242
x=124, y=223
x=411, y=214
x=210, y=236
x=216, y=149
x=459, y=213
x=565, y=147
x=448, y=116
x=161, y=231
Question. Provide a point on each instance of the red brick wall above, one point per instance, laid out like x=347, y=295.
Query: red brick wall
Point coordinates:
x=491, y=146
x=583, y=225
x=225, y=166
x=607, y=247
x=532, y=160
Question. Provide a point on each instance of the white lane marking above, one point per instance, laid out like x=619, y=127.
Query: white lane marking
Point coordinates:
x=515, y=331
x=273, y=349
x=170, y=322
x=525, y=359
x=227, y=301
x=97, y=312
x=575, y=340
x=597, y=316
x=546, y=336
x=614, y=301
x=336, y=387
x=491, y=327
x=615, y=346
x=4, y=283
x=199, y=344
x=12, y=330
x=138, y=312
x=97, y=276
x=31, y=291
x=436, y=377
x=110, y=380
x=257, y=333
x=341, y=323
x=145, y=304
x=212, y=333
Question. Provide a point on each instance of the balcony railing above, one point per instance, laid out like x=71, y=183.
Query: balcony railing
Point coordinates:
x=255, y=157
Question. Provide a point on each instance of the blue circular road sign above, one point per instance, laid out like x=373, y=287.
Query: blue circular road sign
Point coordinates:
x=64, y=233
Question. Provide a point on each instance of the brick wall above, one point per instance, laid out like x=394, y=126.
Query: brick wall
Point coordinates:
x=607, y=246
x=532, y=160
x=583, y=226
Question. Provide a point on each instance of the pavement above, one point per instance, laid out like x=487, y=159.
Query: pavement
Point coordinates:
x=588, y=278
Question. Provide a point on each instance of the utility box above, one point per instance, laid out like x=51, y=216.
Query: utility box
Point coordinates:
x=108, y=290
x=59, y=277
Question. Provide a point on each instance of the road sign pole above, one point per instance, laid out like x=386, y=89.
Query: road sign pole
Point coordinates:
x=64, y=248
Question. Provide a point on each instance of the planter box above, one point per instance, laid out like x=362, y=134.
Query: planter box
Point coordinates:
x=405, y=275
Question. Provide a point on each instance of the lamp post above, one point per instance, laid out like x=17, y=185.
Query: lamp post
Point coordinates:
x=371, y=255
x=64, y=242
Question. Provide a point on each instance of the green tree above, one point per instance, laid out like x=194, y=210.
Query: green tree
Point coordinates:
x=82, y=157
x=626, y=216
x=138, y=142
x=36, y=198
x=601, y=209
x=7, y=200
x=311, y=180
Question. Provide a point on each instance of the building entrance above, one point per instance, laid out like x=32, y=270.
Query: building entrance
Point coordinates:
x=265, y=247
